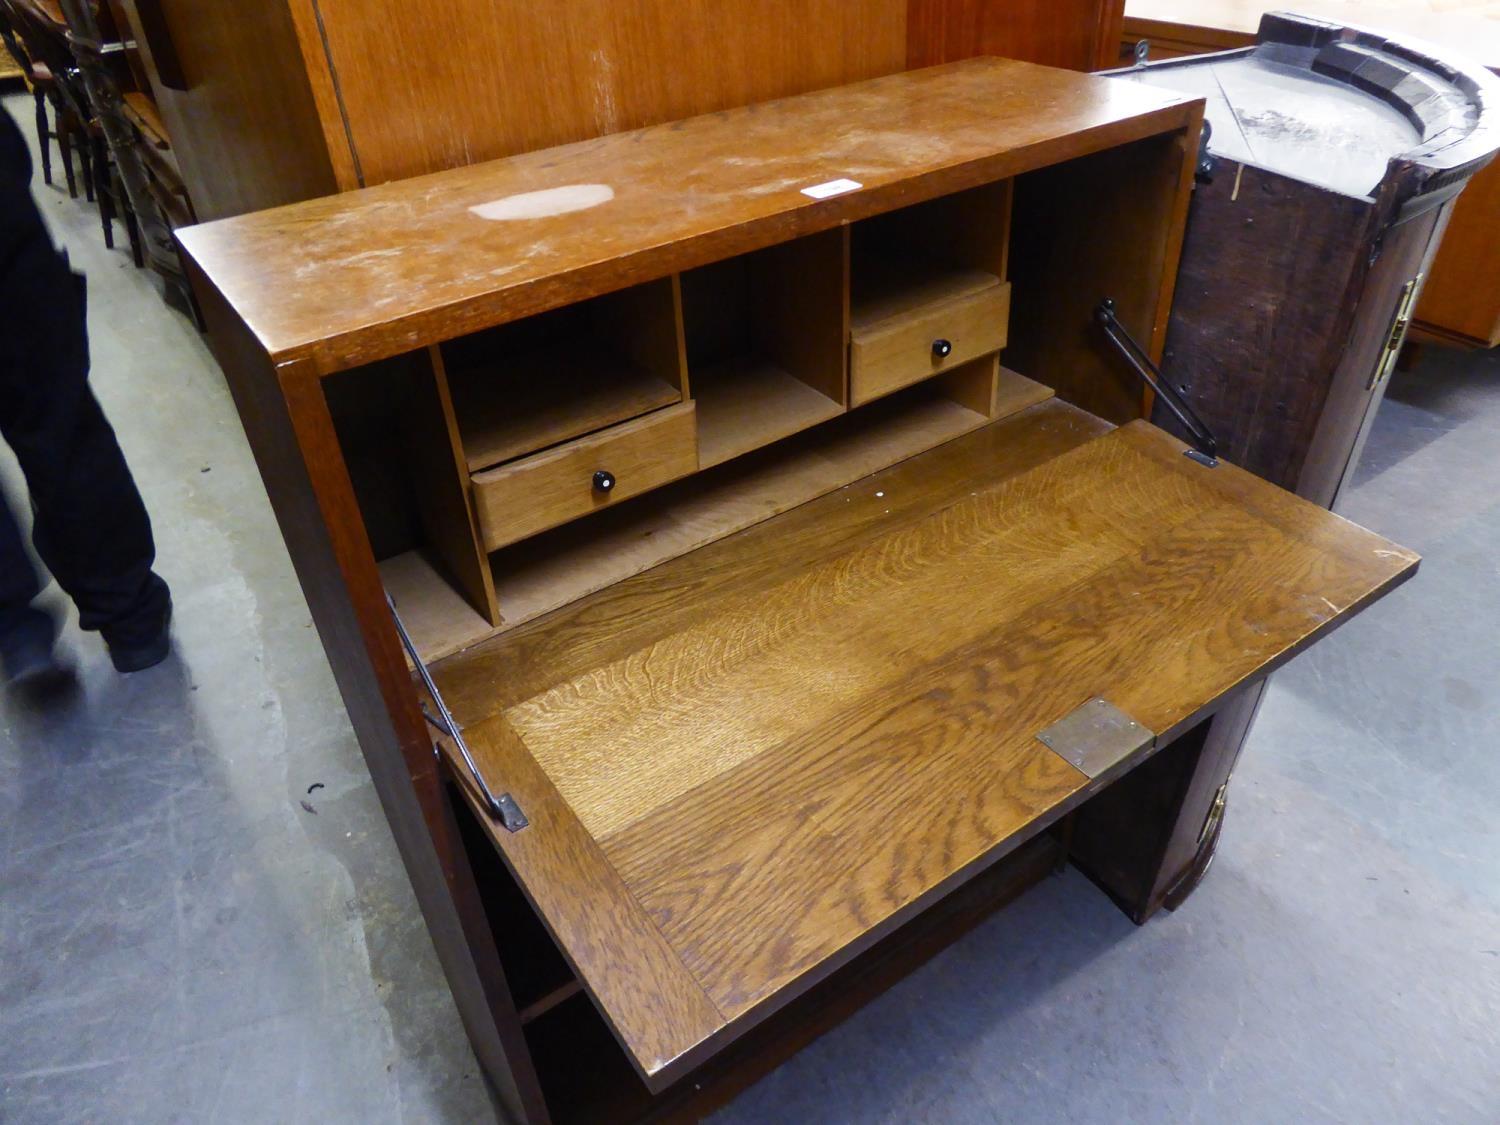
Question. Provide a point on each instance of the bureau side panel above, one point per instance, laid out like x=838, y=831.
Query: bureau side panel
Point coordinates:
x=291, y=434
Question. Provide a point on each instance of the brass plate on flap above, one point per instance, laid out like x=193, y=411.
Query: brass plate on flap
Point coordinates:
x=1096, y=736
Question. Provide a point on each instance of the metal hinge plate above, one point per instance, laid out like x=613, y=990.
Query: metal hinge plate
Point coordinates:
x=1096, y=737
x=1397, y=333
x=1215, y=813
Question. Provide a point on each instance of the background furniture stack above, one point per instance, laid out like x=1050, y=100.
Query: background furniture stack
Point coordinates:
x=81, y=61
x=12, y=65
x=38, y=38
x=137, y=141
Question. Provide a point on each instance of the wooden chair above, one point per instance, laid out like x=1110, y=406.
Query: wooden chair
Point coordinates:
x=45, y=38
x=43, y=86
x=138, y=144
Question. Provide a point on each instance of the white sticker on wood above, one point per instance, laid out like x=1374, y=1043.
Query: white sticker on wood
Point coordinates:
x=832, y=187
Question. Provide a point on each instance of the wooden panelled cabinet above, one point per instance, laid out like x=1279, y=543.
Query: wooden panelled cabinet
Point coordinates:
x=767, y=630
x=1460, y=298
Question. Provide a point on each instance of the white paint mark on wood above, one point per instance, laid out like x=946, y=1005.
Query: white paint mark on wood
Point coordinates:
x=546, y=203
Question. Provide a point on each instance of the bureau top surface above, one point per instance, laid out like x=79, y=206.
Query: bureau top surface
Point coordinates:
x=351, y=278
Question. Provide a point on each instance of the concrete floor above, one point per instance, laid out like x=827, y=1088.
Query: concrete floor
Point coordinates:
x=187, y=934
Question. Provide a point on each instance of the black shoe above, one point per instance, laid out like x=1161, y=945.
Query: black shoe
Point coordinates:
x=31, y=665
x=138, y=654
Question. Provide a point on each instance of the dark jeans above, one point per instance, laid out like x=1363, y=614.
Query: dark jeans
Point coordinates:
x=89, y=526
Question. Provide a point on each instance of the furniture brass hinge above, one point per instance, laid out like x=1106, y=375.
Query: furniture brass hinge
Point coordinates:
x=1215, y=813
x=1096, y=737
x=503, y=808
x=1206, y=451
x=1397, y=335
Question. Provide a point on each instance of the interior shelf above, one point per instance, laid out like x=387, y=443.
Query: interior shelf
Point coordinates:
x=947, y=248
x=885, y=286
x=746, y=402
x=438, y=617
x=549, y=395
x=536, y=382
x=766, y=340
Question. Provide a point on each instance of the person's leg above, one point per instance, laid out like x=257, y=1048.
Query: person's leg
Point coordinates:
x=90, y=527
x=26, y=633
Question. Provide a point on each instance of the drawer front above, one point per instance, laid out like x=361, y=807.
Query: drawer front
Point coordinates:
x=558, y=485
x=905, y=349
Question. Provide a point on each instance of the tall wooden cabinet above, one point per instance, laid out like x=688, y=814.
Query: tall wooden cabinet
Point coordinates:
x=744, y=556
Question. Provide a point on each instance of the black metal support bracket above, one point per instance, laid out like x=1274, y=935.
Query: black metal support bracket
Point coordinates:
x=1206, y=451
x=503, y=808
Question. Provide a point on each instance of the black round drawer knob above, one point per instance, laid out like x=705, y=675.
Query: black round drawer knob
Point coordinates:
x=604, y=481
x=942, y=349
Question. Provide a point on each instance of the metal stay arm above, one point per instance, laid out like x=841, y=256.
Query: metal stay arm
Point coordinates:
x=1207, y=451
x=503, y=808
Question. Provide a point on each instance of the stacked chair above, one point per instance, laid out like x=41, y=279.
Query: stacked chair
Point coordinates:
x=80, y=60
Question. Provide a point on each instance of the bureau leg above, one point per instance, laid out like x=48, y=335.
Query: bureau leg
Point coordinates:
x=1196, y=835
x=1148, y=839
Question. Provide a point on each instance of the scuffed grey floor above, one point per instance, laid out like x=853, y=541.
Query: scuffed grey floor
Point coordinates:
x=181, y=939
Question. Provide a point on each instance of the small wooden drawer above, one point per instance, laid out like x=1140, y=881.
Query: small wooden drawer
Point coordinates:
x=557, y=485
x=915, y=343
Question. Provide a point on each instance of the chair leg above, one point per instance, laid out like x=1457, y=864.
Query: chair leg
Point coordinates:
x=133, y=232
x=65, y=146
x=104, y=192
x=86, y=158
x=43, y=135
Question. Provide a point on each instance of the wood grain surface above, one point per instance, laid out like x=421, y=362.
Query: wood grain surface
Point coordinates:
x=539, y=575
x=1255, y=366
x=435, y=453
x=882, y=288
x=782, y=744
x=1072, y=245
x=1461, y=298
x=624, y=616
x=465, y=82
x=1079, y=34
x=353, y=277
x=655, y=1007
x=246, y=130
x=528, y=385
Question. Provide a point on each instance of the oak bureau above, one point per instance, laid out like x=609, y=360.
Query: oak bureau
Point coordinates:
x=783, y=571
